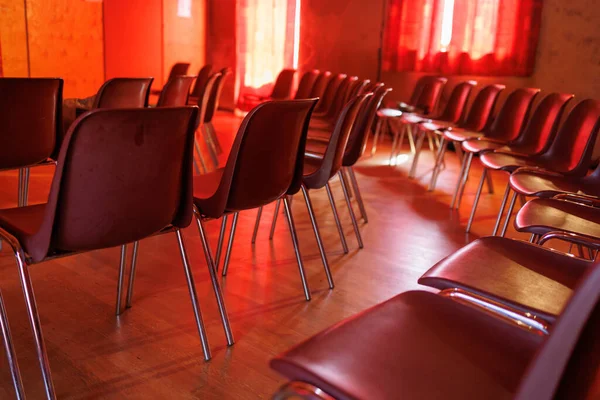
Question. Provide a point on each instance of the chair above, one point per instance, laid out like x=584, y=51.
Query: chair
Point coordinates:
x=126, y=173
x=326, y=121
x=478, y=119
x=420, y=345
x=176, y=91
x=29, y=138
x=211, y=109
x=453, y=113
x=329, y=94
x=176, y=70
x=282, y=90
x=201, y=80
x=569, y=154
x=425, y=104
x=507, y=127
x=307, y=82
x=203, y=101
x=320, y=84
x=535, y=139
x=123, y=93
x=258, y=170
x=356, y=145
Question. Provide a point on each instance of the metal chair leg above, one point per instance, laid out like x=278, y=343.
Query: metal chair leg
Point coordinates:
x=200, y=157
x=359, y=199
x=214, y=138
x=490, y=184
x=411, y=139
x=438, y=164
x=230, y=244
x=476, y=201
x=337, y=219
x=509, y=213
x=292, y=227
x=34, y=320
x=132, y=275
x=26, y=187
x=120, y=280
x=464, y=181
x=215, y=283
x=418, y=149
x=208, y=138
x=20, y=188
x=394, y=144
x=352, y=216
x=376, y=137
x=501, y=211
x=256, y=224
x=10, y=352
x=430, y=140
x=193, y=296
x=220, y=242
x=463, y=166
x=313, y=220
x=275, y=215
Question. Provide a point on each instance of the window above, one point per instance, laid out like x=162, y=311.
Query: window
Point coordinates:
x=481, y=37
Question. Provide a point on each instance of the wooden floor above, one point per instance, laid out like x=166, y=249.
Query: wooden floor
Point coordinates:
x=153, y=351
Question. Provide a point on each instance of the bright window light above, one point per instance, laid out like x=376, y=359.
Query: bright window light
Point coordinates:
x=447, y=16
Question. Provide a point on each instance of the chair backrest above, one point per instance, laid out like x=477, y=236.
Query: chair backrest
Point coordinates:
x=332, y=158
x=213, y=102
x=511, y=118
x=418, y=89
x=205, y=96
x=30, y=120
x=179, y=69
x=122, y=175
x=306, y=84
x=123, y=93
x=341, y=96
x=357, y=88
x=320, y=84
x=543, y=125
x=430, y=95
x=482, y=107
x=201, y=80
x=176, y=92
x=571, y=152
x=282, y=89
x=457, y=103
x=266, y=158
x=567, y=364
x=360, y=130
x=329, y=94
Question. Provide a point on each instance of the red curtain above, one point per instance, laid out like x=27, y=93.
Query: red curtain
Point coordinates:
x=462, y=37
x=267, y=42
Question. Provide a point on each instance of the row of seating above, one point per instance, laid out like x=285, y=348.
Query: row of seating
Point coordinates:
x=512, y=319
x=126, y=170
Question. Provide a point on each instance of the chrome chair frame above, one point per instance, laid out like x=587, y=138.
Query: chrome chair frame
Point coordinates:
x=300, y=390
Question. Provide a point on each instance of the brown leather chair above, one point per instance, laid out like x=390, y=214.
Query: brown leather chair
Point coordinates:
x=109, y=166
x=478, y=119
x=264, y=165
x=535, y=139
x=567, y=159
x=29, y=138
x=201, y=80
x=180, y=68
x=307, y=82
x=419, y=345
x=321, y=83
x=176, y=91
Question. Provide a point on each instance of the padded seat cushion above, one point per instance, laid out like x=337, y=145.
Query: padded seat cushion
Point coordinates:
x=541, y=216
x=417, y=345
x=521, y=275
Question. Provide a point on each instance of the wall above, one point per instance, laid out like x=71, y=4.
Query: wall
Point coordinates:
x=220, y=44
x=13, y=39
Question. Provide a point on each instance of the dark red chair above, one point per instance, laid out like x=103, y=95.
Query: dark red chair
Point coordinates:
x=321, y=119
x=126, y=173
x=211, y=109
x=123, y=93
x=176, y=91
x=264, y=165
x=177, y=69
x=29, y=138
x=282, y=90
x=507, y=126
x=478, y=119
x=306, y=85
x=329, y=95
x=420, y=345
x=203, y=101
x=570, y=154
x=201, y=80
x=535, y=139
x=453, y=114
x=320, y=84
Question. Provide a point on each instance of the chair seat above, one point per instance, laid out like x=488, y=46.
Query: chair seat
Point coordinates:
x=205, y=187
x=541, y=216
x=413, y=119
x=477, y=146
x=318, y=135
x=460, y=135
x=506, y=161
x=23, y=223
x=544, y=185
x=417, y=345
x=436, y=125
x=389, y=113
x=521, y=275
x=320, y=124
x=316, y=147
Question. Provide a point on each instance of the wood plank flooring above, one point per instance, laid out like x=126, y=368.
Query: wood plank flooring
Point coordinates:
x=152, y=351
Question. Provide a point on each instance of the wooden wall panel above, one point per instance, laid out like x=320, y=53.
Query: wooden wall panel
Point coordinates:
x=66, y=40
x=133, y=39
x=13, y=39
x=184, y=37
